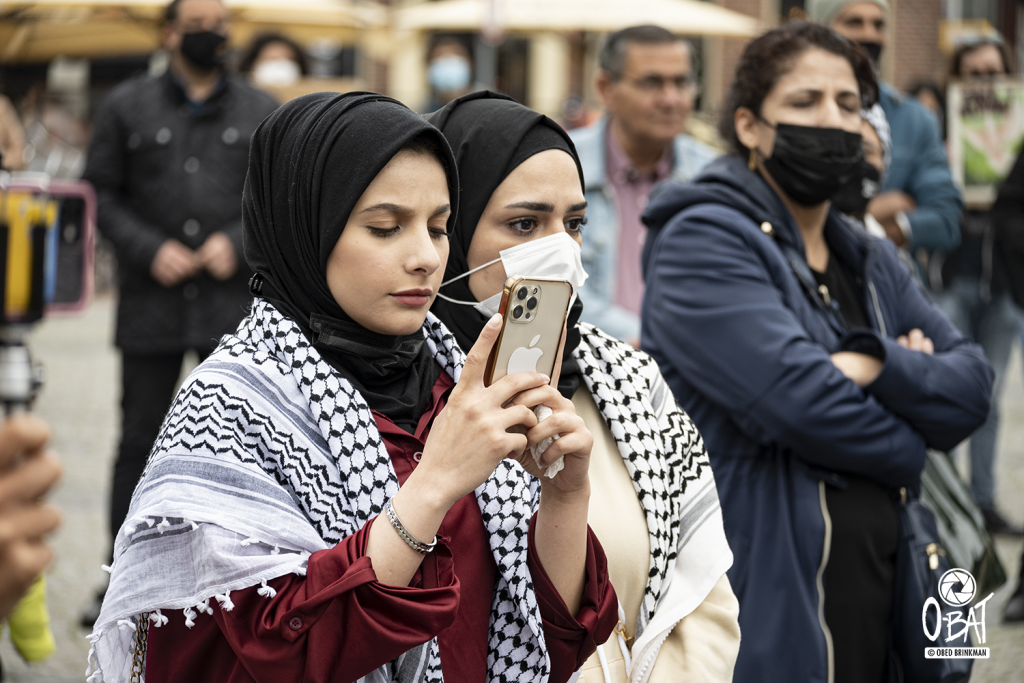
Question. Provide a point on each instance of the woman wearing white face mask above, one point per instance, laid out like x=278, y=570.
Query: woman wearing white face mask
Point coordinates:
x=653, y=504
x=273, y=60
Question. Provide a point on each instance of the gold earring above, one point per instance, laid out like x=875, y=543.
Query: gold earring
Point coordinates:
x=752, y=161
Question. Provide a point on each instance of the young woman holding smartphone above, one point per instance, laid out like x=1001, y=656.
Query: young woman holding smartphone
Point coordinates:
x=332, y=496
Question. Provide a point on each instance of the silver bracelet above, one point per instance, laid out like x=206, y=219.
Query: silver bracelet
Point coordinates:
x=413, y=542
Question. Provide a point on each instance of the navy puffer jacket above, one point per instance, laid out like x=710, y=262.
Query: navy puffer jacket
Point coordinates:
x=746, y=349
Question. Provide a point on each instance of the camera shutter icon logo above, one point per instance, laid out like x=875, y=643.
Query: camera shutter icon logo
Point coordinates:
x=957, y=587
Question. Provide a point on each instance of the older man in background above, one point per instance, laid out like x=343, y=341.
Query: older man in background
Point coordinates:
x=647, y=83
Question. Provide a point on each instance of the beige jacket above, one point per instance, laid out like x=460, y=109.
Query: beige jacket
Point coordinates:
x=703, y=645
x=654, y=508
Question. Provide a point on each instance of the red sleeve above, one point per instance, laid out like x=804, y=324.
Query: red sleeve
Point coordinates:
x=571, y=640
x=336, y=619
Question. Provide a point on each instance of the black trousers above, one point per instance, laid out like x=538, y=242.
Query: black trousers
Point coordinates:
x=859, y=579
x=147, y=389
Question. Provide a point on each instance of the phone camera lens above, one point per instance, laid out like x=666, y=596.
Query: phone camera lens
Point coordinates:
x=531, y=303
x=517, y=312
x=521, y=294
x=527, y=316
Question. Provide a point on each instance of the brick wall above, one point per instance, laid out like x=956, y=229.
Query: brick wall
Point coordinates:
x=912, y=52
x=732, y=48
x=914, y=42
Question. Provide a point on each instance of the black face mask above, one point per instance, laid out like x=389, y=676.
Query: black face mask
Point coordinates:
x=204, y=49
x=853, y=197
x=810, y=164
x=874, y=51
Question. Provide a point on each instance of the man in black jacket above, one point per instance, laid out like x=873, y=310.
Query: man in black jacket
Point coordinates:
x=168, y=159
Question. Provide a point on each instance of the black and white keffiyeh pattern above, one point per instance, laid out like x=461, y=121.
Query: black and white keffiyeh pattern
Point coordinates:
x=266, y=456
x=663, y=453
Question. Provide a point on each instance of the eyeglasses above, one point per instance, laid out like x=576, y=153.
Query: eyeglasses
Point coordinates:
x=653, y=84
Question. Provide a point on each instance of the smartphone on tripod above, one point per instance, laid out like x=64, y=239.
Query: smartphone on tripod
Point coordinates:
x=47, y=238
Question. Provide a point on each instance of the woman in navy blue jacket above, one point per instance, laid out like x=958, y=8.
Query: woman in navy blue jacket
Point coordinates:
x=813, y=364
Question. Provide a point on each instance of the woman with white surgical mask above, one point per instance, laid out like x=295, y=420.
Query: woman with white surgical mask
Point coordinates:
x=449, y=72
x=273, y=60
x=522, y=211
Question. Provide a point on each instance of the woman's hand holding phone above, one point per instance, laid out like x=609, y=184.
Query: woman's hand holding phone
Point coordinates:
x=574, y=441
x=468, y=439
x=470, y=436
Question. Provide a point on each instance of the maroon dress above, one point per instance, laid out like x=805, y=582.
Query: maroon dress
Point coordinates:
x=338, y=623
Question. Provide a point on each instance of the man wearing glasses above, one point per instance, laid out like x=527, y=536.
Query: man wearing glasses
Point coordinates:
x=168, y=158
x=648, y=86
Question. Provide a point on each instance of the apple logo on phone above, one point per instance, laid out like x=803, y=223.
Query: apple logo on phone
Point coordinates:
x=525, y=359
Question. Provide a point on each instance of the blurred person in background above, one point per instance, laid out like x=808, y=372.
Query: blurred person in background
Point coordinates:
x=57, y=137
x=981, y=57
x=648, y=86
x=931, y=97
x=815, y=368
x=971, y=288
x=853, y=197
x=273, y=59
x=168, y=160
x=1008, y=222
x=449, y=71
x=12, y=137
x=919, y=205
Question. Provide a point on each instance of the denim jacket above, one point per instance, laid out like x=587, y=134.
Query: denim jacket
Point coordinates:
x=919, y=168
x=601, y=236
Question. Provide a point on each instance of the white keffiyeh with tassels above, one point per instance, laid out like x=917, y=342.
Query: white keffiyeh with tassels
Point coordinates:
x=266, y=456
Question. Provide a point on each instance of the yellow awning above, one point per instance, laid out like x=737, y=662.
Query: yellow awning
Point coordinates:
x=688, y=17
x=39, y=30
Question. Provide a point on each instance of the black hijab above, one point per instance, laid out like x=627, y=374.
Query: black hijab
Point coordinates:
x=309, y=163
x=490, y=135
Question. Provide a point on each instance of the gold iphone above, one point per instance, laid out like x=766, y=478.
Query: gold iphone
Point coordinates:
x=533, y=312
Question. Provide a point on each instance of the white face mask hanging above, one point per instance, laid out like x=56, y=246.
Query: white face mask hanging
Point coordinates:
x=556, y=256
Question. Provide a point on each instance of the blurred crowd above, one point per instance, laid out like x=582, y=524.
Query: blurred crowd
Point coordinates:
x=809, y=282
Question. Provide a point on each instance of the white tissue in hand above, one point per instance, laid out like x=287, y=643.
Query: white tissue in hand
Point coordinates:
x=543, y=412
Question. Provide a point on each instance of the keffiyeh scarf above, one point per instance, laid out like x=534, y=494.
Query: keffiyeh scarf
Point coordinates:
x=266, y=456
x=666, y=459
